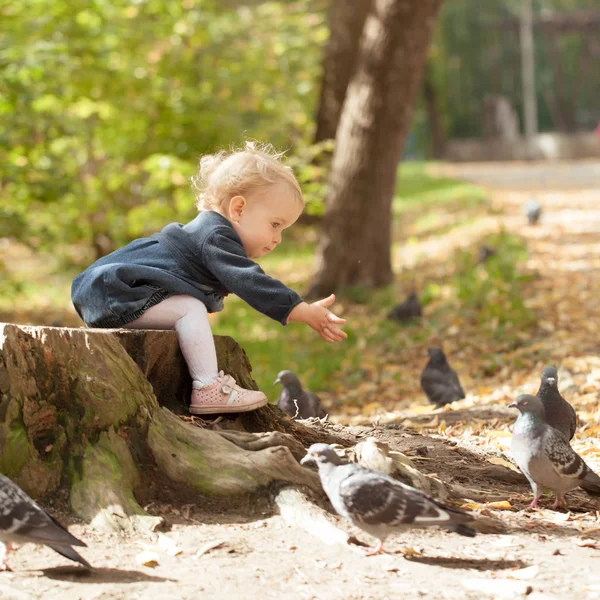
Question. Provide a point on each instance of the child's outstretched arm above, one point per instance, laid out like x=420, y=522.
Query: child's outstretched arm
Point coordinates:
x=322, y=320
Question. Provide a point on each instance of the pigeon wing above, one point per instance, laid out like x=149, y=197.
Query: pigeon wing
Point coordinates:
x=438, y=386
x=22, y=517
x=456, y=384
x=565, y=461
x=572, y=421
x=374, y=499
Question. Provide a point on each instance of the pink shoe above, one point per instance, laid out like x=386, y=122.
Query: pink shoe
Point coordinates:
x=225, y=396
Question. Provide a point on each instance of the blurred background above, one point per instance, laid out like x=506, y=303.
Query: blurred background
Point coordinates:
x=107, y=106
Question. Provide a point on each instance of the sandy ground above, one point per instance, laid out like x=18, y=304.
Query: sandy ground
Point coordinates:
x=249, y=551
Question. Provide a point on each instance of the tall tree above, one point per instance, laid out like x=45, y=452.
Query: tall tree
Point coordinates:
x=346, y=21
x=354, y=247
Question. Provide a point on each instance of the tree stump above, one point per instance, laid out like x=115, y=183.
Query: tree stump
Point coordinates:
x=94, y=411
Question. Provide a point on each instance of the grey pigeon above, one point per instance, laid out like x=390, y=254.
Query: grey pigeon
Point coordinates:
x=533, y=211
x=409, y=309
x=559, y=413
x=439, y=381
x=544, y=455
x=295, y=401
x=23, y=521
x=485, y=252
x=378, y=504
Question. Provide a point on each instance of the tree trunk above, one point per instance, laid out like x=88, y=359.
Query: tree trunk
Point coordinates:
x=346, y=21
x=78, y=412
x=354, y=247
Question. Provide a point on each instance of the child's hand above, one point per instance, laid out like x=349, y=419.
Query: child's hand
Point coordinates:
x=322, y=320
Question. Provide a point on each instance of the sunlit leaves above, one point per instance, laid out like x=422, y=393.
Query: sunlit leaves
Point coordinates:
x=92, y=93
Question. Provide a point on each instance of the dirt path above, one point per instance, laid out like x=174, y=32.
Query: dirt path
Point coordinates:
x=245, y=552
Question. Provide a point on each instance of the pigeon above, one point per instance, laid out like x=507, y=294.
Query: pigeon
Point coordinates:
x=294, y=401
x=410, y=308
x=484, y=253
x=559, y=413
x=533, y=211
x=23, y=521
x=544, y=455
x=377, y=503
x=439, y=382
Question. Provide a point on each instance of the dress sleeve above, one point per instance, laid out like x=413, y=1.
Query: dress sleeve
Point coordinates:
x=225, y=257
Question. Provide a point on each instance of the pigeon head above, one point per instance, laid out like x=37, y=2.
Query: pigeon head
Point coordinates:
x=436, y=355
x=287, y=378
x=550, y=376
x=527, y=404
x=322, y=454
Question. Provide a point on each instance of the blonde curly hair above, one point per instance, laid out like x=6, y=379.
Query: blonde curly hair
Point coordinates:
x=227, y=174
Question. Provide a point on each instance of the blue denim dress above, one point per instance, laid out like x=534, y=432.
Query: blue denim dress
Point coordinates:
x=204, y=259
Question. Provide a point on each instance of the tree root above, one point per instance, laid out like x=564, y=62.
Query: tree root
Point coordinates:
x=299, y=511
x=78, y=411
x=209, y=462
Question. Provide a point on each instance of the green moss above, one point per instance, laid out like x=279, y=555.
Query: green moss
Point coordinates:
x=105, y=479
x=15, y=449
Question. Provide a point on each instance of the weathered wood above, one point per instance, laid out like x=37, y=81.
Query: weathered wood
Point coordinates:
x=80, y=410
x=299, y=511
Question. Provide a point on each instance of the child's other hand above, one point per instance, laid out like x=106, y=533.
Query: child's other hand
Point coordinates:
x=320, y=318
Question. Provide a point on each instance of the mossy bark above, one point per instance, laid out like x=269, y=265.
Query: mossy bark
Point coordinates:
x=79, y=411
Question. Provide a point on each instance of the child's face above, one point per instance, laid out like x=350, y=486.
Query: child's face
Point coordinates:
x=263, y=216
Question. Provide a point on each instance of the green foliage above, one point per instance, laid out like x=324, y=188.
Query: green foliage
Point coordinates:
x=492, y=290
x=311, y=164
x=474, y=54
x=418, y=188
x=107, y=106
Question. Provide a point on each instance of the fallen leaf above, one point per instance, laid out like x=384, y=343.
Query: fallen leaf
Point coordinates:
x=208, y=547
x=524, y=574
x=496, y=460
x=147, y=559
x=588, y=543
x=503, y=504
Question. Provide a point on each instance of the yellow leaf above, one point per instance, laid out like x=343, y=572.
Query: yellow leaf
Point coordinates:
x=496, y=460
x=147, y=559
x=502, y=504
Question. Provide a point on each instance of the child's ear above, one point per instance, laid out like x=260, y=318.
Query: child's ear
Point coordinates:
x=236, y=207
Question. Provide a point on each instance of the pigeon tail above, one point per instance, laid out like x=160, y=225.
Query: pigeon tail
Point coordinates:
x=462, y=529
x=68, y=552
x=591, y=483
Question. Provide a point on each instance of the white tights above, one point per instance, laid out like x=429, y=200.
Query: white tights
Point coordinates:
x=189, y=318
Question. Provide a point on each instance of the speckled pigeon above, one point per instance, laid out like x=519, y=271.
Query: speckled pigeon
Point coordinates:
x=544, y=455
x=409, y=309
x=559, y=413
x=23, y=521
x=439, y=381
x=533, y=211
x=295, y=401
x=377, y=503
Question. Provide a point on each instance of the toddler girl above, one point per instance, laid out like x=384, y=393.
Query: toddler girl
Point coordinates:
x=174, y=278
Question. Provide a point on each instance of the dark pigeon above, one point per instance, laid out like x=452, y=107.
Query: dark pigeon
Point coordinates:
x=439, y=381
x=296, y=402
x=23, y=521
x=485, y=252
x=533, y=211
x=559, y=413
x=377, y=503
x=544, y=455
x=409, y=309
